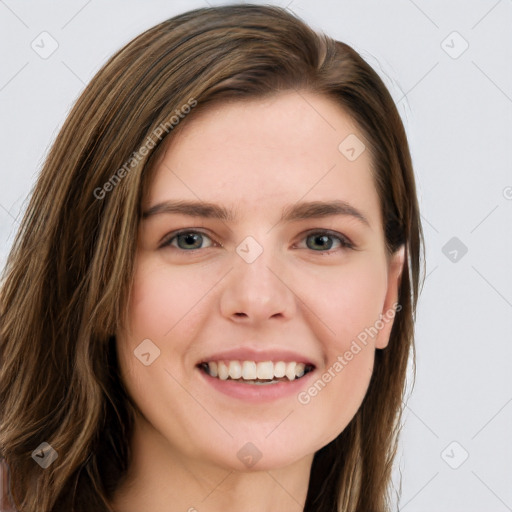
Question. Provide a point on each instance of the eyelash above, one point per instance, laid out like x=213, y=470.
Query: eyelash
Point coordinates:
x=345, y=243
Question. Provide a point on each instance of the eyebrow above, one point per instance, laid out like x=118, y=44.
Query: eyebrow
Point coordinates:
x=293, y=212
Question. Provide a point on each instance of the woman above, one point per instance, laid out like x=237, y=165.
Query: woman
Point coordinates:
x=264, y=366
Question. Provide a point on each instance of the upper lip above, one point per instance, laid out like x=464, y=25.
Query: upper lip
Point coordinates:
x=251, y=354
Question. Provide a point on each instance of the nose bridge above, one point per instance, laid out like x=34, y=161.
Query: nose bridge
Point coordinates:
x=256, y=289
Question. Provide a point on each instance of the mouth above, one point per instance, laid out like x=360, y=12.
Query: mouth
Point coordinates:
x=256, y=372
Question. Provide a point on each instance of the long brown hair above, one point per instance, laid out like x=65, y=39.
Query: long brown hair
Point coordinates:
x=68, y=275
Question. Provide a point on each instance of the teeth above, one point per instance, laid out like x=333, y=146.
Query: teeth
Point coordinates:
x=251, y=370
x=290, y=371
x=265, y=370
x=223, y=370
x=213, y=368
x=280, y=369
x=235, y=369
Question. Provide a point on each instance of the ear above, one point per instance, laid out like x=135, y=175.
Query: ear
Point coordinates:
x=395, y=268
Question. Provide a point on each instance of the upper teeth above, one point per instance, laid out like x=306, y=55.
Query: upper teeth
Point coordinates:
x=251, y=370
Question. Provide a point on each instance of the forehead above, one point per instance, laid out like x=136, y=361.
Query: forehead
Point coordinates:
x=263, y=153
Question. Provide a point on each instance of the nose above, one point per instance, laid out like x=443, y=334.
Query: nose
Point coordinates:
x=255, y=291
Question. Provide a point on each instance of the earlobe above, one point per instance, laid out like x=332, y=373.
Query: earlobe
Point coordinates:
x=391, y=304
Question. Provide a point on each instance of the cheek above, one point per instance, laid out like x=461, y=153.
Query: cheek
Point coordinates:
x=165, y=308
x=348, y=300
x=349, y=309
x=349, y=304
x=161, y=310
x=158, y=303
x=163, y=301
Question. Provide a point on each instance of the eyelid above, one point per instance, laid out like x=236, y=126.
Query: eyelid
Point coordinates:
x=166, y=241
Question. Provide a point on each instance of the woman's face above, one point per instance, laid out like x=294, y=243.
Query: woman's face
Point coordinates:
x=281, y=260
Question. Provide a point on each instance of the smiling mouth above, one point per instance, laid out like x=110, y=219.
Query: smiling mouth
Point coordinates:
x=259, y=373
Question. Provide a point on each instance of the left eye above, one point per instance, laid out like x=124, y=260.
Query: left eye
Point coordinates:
x=321, y=238
x=192, y=240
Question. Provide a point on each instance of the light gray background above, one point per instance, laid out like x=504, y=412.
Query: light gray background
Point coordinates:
x=457, y=109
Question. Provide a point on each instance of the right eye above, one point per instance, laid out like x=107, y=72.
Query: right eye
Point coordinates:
x=186, y=238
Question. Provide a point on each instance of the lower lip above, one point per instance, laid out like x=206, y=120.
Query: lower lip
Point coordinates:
x=257, y=393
